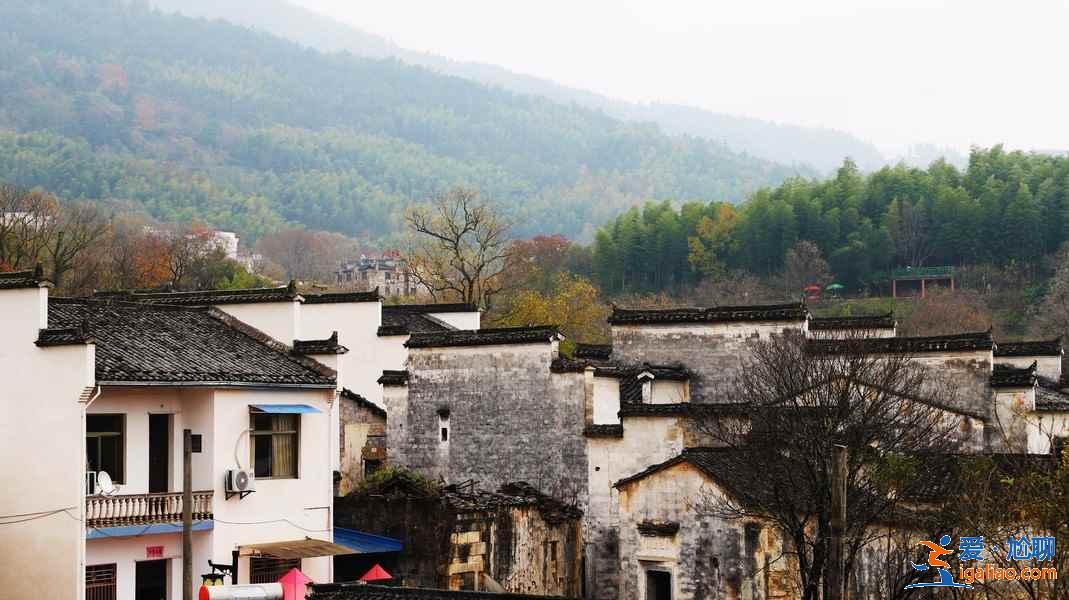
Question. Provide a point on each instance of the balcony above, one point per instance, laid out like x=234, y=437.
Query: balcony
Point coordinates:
x=143, y=509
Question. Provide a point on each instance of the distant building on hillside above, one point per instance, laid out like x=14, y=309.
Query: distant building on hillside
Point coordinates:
x=916, y=281
x=387, y=271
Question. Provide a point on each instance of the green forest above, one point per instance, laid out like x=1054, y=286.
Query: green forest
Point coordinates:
x=1005, y=208
x=195, y=119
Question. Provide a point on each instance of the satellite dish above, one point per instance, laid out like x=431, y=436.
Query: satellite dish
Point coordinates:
x=105, y=484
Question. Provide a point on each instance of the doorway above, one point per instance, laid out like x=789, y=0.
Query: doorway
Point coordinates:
x=159, y=453
x=150, y=582
x=658, y=585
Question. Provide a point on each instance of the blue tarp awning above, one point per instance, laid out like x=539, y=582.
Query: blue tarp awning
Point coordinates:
x=365, y=543
x=285, y=409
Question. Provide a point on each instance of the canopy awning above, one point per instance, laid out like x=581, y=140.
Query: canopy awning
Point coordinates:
x=366, y=543
x=284, y=409
x=306, y=548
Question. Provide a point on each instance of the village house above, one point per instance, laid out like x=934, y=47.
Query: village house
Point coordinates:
x=386, y=272
x=98, y=392
x=373, y=336
x=496, y=404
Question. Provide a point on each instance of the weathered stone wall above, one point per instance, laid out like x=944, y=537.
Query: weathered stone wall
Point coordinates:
x=423, y=525
x=452, y=549
x=362, y=436
x=509, y=417
x=710, y=558
x=646, y=441
x=713, y=352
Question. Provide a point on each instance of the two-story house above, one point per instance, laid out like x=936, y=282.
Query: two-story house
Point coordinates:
x=107, y=386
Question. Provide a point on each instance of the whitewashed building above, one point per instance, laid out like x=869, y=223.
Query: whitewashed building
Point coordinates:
x=105, y=385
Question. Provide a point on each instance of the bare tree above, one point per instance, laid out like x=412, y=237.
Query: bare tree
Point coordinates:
x=28, y=223
x=78, y=228
x=804, y=265
x=803, y=397
x=305, y=254
x=185, y=246
x=460, y=247
x=910, y=231
x=1052, y=317
x=736, y=287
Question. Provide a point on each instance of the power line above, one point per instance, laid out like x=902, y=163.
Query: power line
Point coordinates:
x=39, y=515
x=40, y=512
x=272, y=522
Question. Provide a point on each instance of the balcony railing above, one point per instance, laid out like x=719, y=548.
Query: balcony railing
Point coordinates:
x=144, y=509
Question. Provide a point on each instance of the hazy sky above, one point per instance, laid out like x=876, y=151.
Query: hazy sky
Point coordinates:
x=892, y=72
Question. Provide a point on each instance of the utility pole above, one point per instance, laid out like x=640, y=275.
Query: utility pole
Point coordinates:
x=836, y=588
x=187, y=514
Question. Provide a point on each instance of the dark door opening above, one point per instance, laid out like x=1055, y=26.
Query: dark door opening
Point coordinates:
x=159, y=453
x=658, y=585
x=150, y=582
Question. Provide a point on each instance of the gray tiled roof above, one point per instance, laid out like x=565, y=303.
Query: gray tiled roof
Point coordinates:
x=795, y=311
x=390, y=377
x=145, y=343
x=210, y=297
x=886, y=321
x=963, y=342
x=22, y=279
x=329, y=345
x=1030, y=348
x=406, y=319
x=1008, y=376
x=375, y=409
x=483, y=337
x=338, y=297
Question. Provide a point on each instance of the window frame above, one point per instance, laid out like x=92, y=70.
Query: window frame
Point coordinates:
x=97, y=436
x=270, y=434
x=261, y=568
x=98, y=587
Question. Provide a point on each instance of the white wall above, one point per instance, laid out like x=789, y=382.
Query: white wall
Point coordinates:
x=126, y=552
x=282, y=509
x=1045, y=426
x=460, y=320
x=390, y=355
x=669, y=392
x=42, y=447
x=1047, y=366
x=280, y=320
x=606, y=400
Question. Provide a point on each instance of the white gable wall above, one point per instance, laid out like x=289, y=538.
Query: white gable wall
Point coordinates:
x=43, y=448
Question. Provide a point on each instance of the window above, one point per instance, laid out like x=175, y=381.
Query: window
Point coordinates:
x=270, y=570
x=274, y=445
x=104, y=445
x=443, y=426
x=100, y=582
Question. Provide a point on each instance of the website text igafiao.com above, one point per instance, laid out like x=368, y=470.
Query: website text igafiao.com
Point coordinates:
x=990, y=572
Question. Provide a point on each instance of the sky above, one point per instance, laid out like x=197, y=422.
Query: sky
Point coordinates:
x=895, y=73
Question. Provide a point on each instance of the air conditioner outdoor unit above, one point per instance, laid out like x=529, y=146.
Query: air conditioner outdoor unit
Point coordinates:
x=239, y=482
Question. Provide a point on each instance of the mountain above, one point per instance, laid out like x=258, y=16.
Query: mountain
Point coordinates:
x=823, y=149
x=196, y=119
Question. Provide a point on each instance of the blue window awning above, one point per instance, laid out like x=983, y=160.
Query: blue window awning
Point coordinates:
x=284, y=409
x=365, y=543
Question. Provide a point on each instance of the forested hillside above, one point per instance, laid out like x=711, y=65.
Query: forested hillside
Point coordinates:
x=1003, y=209
x=198, y=119
x=824, y=149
